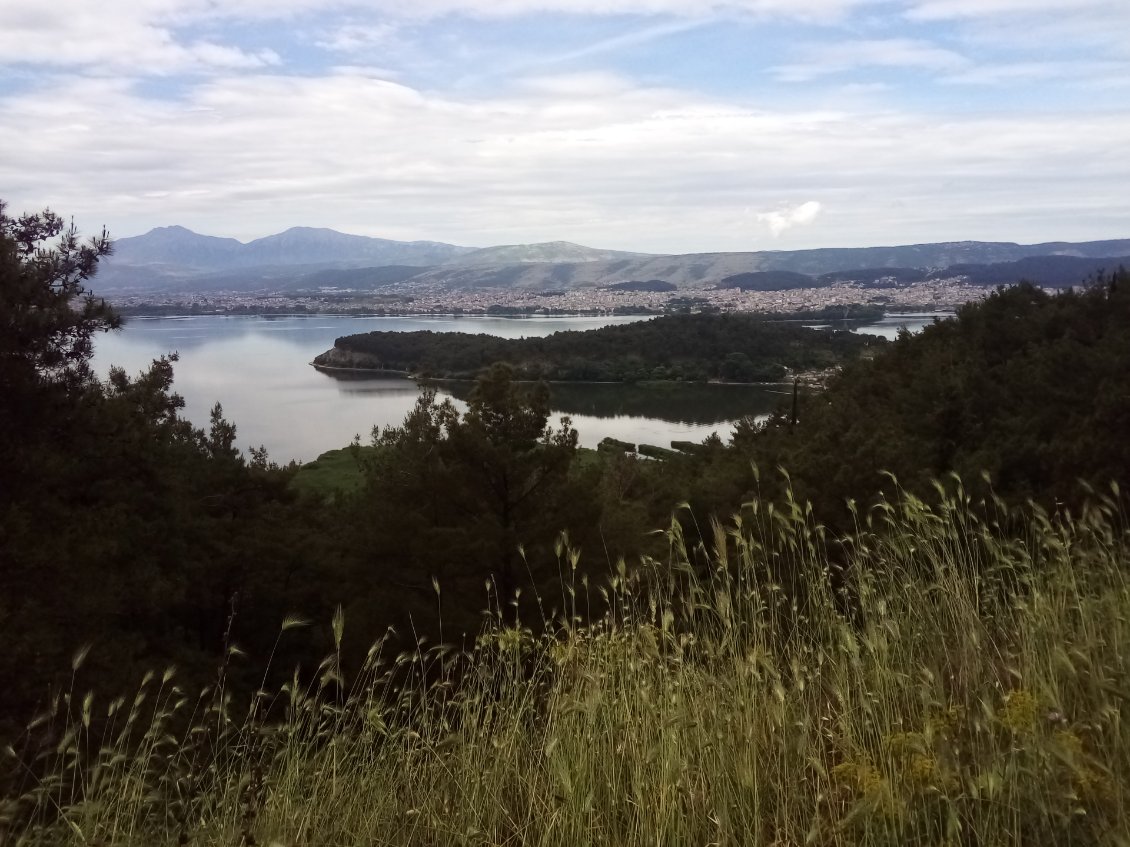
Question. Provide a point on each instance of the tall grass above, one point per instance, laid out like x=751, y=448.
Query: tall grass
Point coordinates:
x=944, y=675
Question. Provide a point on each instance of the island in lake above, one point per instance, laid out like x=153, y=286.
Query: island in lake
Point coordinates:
x=688, y=348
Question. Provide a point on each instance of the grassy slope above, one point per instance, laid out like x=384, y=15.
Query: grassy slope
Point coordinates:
x=332, y=472
x=975, y=696
x=338, y=471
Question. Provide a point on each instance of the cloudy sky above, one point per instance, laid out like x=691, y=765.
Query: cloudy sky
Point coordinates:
x=651, y=125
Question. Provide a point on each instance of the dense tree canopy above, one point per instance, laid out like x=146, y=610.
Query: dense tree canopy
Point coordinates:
x=455, y=498
x=121, y=525
x=679, y=347
x=1026, y=386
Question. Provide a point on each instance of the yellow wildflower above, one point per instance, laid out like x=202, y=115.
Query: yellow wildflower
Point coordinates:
x=903, y=744
x=1019, y=712
x=922, y=770
x=948, y=723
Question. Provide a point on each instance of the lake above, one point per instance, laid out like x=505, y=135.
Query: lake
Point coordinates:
x=890, y=325
x=258, y=369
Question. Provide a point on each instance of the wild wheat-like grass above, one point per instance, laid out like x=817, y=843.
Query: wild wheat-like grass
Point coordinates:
x=946, y=674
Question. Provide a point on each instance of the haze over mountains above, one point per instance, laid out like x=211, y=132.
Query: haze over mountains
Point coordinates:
x=175, y=259
x=177, y=246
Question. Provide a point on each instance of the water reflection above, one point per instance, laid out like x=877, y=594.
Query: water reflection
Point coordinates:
x=258, y=368
x=188, y=332
x=889, y=326
x=352, y=383
x=694, y=404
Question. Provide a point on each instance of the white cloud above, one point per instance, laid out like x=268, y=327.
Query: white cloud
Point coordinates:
x=934, y=10
x=576, y=86
x=836, y=58
x=144, y=36
x=633, y=38
x=354, y=37
x=780, y=220
x=112, y=37
x=1042, y=28
x=250, y=145
x=218, y=56
x=1008, y=73
x=795, y=9
x=636, y=168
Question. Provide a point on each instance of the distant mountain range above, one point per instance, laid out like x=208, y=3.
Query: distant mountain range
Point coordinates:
x=175, y=259
x=175, y=245
x=1049, y=271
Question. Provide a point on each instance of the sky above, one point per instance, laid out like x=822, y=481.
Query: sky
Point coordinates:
x=664, y=126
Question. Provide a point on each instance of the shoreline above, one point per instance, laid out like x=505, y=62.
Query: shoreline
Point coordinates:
x=455, y=315
x=643, y=382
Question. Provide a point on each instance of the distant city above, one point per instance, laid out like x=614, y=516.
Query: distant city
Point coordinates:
x=404, y=299
x=305, y=270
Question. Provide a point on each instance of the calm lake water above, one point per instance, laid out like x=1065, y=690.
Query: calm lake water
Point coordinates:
x=258, y=369
x=889, y=326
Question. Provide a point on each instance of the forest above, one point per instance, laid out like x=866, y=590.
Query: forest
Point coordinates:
x=692, y=348
x=912, y=593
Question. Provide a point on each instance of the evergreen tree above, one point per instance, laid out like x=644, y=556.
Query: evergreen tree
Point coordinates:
x=454, y=502
x=1027, y=387
x=121, y=524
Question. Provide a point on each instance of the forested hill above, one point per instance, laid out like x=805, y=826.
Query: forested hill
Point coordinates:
x=736, y=347
x=1028, y=387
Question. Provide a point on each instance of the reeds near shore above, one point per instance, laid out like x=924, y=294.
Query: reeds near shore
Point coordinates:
x=950, y=674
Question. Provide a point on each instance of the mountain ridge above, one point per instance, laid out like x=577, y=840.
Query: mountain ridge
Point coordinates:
x=557, y=252
x=295, y=246
x=174, y=258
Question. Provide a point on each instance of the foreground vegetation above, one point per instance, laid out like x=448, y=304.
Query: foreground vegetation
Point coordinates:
x=965, y=683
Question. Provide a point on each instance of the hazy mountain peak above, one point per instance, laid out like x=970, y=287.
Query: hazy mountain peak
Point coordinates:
x=175, y=233
x=175, y=245
x=174, y=229
x=177, y=253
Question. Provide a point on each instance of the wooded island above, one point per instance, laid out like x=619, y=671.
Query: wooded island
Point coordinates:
x=687, y=348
